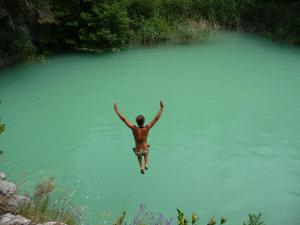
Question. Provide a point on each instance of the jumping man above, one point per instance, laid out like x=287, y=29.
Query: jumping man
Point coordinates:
x=140, y=134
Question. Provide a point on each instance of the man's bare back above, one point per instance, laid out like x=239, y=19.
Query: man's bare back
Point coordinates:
x=140, y=134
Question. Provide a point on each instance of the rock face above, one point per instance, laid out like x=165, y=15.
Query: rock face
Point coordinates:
x=16, y=201
x=7, y=188
x=2, y=176
x=10, y=202
x=9, y=219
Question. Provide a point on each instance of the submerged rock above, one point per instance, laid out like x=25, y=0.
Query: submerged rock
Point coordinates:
x=9, y=219
x=7, y=188
x=16, y=201
x=2, y=176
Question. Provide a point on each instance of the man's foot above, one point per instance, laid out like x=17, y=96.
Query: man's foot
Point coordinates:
x=142, y=171
x=146, y=167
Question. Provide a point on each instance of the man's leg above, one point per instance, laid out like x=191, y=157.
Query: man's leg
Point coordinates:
x=140, y=159
x=146, y=160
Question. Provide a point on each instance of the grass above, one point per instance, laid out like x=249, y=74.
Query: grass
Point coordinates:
x=44, y=208
x=33, y=59
x=157, y=30
x=191, y=30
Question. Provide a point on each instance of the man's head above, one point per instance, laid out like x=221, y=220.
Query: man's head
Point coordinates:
x=140, y=120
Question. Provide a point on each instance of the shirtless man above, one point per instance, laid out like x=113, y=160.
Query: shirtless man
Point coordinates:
x=140, y=134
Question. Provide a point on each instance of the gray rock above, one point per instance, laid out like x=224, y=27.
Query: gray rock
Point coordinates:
x=7, y=188
x=2, y=176
x=9, y=219
x=52, y=223
x=16, y=201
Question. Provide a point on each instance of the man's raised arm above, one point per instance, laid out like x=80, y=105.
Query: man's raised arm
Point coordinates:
x=156, y=118
x=122, y=117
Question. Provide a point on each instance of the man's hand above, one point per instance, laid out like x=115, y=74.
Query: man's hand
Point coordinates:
x=156, y=118
x=161, y=105
x=122, y=117
x=116, y=107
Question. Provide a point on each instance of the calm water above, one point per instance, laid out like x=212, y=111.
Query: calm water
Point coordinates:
x=227, y=144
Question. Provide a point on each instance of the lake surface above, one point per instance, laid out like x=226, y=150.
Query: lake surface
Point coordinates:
x=227, y=144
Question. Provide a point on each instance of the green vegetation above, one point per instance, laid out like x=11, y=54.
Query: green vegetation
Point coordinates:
x=144, y=217
x=43, y=208
x=254, y=220
x=31, y=29
x=183, y=221
x=121, y=219
x=2, y=128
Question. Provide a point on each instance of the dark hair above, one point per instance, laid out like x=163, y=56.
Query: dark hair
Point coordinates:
x=140, y=119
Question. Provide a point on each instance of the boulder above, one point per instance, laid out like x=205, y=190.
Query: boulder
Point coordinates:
x=2, y=176
x=7, y=188
x=16, y=201
x=9, y=219
x=52, y=223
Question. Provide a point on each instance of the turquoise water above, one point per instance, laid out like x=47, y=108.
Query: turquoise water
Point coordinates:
x=227, y=144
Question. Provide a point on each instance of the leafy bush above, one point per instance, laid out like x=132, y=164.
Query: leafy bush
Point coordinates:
x=153, y=31
x=254, y=220
x=15, y=39
x=280, y=19
x=31, y=28
x=64, y=34
x=142, y=9
x=289, y=26
x=91, y=25
x=175, y=9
